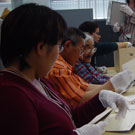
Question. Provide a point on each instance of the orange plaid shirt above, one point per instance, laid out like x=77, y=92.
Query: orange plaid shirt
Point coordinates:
x=69, y=84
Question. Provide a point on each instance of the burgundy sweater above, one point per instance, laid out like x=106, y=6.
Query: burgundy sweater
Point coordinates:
x=25, y=111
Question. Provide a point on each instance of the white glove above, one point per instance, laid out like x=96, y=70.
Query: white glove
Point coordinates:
x=116, y=27
x=122, y=81
x=114, y=101
x=92, y=129
x=102, y=69
x=126, y=9
x=129, y=45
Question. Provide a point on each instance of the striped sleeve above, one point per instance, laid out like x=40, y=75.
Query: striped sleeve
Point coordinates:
x=71, y=86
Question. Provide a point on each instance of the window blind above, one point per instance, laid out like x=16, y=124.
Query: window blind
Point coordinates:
x=99, y=7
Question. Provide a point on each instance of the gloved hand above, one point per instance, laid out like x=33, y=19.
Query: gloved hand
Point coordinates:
x=114, y=100
x=124, y=44
x=102, y=69
x=126, y=9
x=92, y=129
x=122, y=80
x=129, y=45
x=116, y=27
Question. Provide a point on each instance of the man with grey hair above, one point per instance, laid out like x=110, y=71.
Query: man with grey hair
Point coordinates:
x=73, y=88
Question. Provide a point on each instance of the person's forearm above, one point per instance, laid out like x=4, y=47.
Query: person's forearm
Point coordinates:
x=122, y=44
x=93, y=86
x=94, y=90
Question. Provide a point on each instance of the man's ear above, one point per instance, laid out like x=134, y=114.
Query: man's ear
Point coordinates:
x=67, y=44
x=41, y=48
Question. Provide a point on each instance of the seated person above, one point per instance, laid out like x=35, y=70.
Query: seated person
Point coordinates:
x=72, y=87
x=30, y=106
x=83, y=67
x=103, y=48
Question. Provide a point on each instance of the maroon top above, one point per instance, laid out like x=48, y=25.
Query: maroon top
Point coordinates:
x=25, y=111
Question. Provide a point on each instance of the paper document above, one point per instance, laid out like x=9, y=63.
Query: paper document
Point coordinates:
x=120, y=125
x=131, y=100
x=130, y=65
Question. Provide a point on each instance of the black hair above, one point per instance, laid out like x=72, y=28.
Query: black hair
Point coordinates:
x=88, y=27
x=127, y=1
x=73, y=34
x=25, y=27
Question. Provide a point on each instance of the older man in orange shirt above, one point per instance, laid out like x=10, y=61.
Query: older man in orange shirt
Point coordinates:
x=74, y=89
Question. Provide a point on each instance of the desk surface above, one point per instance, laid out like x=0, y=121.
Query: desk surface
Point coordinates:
x=131, y=91
x=111, y=71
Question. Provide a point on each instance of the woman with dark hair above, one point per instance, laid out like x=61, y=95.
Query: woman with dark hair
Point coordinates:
x=92, y=29
x=127, y=30
x=30, y=42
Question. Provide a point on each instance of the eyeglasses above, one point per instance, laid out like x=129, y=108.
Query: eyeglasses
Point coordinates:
x=82, y=50
x=97, y=33
x=91, y=50
x=60, y=48
x=94, y=50
x=87, y=51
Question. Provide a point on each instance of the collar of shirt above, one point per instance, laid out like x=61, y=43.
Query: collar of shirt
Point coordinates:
x=64, y=63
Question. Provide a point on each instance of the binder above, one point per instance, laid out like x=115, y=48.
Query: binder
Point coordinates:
x=114, y=14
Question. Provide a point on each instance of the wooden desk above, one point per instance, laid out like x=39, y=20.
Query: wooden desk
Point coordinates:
x=111, y=71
